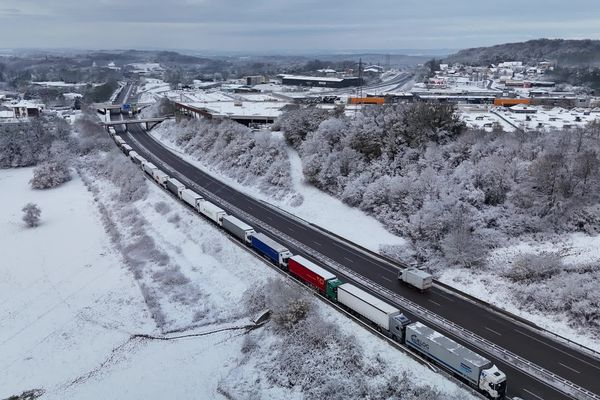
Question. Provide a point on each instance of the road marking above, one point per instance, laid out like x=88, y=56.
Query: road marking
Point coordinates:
x=444, y=296
x=556, y=348
x=349, y=259
x=317, y=243
x=493, y=331
x=386, y=278
x=434, y=302
x=533, y=394
x=567, y=367
x=290, y=229
x=370, y=260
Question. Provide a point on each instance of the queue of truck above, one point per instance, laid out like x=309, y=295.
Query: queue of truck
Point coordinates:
x=469, y=366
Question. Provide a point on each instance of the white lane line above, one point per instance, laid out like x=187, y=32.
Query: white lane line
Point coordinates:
x=444, y=296
x=533, y=394
x=556, y=348
x=493, y=331
x=317, y=243
x=349, y=259
x=387, y=279
x=290, y=229
x=567, y=367
x=357, y=254
x=434, y=302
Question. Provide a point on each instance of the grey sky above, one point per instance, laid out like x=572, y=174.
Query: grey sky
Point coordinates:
x=290, y=25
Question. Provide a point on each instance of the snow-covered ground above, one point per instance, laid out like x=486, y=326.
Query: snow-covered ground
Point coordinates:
x=574, y=249
x=151, y=89
x=73, y=295
x=317, y=207
x=66, y=300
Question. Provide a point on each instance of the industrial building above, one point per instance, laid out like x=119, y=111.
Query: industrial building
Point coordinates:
x=320, y=81
x=244, y=112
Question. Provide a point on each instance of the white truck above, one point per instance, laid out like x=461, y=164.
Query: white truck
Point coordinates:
x=238, y=228
x=211, y=211
x=190, y=197
x=119, y=140
x=476, y=369
x=149, y=168
x=415, y=277
x=160, y=177
x=380, y=313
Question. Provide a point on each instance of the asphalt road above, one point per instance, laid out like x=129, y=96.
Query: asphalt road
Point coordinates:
x=562, y=360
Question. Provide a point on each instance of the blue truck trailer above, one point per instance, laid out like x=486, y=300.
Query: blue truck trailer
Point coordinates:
x=276, y=252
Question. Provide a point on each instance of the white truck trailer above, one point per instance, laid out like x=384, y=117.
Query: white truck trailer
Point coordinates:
x=211, y=211
x=476, y=369
x=160, y=177
x=238, y=228
x=175, y=187
x=149, y=168
x=190, y=197
x=415, y=277
x=380, y=313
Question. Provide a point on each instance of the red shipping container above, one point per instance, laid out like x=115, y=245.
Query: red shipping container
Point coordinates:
x=309, y=273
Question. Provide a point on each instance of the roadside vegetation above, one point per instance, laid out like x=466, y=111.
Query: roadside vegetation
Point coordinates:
x=459, y=194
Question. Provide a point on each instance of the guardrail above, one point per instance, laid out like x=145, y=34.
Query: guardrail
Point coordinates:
x=479, y=342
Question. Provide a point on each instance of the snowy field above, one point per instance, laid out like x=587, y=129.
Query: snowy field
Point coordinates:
x=317, y=207
x=75, y=295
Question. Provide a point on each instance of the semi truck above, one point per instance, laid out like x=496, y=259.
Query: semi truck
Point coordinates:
x=160, y=177
x=211, y=211
x=313, y=275
x=125, y=148
x=383, y=315
x=416, y=277
x=175, y=187
x=277, y=253
x=238, y=228
x=119, y=140
x=480, y=372
x=190, y=197
x=149, y=168
x=139, y=160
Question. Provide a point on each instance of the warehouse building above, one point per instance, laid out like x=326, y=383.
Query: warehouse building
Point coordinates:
x=320, y=81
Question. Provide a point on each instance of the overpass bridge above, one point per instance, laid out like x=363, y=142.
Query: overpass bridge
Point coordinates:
x=124, y=107
x=148, y=122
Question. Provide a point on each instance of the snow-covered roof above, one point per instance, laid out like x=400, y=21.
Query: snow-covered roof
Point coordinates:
x=311, y=78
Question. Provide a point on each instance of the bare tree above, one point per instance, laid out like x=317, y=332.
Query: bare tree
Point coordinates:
x=31, y=215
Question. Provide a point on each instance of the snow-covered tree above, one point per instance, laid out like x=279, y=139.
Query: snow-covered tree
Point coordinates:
x=31, y=214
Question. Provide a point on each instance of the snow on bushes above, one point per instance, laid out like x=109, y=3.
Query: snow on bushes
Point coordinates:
x=313, y=356
x=50, y=174
x=456, y=194
x=31, y=215
x=252, y=158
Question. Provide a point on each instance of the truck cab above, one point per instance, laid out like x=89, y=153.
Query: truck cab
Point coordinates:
x=398, y=325
x=284, y=256
x=492, y=381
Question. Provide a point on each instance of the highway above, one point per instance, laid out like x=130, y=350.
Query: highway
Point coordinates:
x=573, y=365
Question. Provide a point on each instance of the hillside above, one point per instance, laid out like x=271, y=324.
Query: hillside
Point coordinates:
x=571, y=53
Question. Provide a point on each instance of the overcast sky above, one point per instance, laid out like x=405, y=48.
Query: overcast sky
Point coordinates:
x=290, y=25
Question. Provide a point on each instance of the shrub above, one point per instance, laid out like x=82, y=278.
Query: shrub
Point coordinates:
x=31, y=215
x=534, y=267
x=50, y=174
